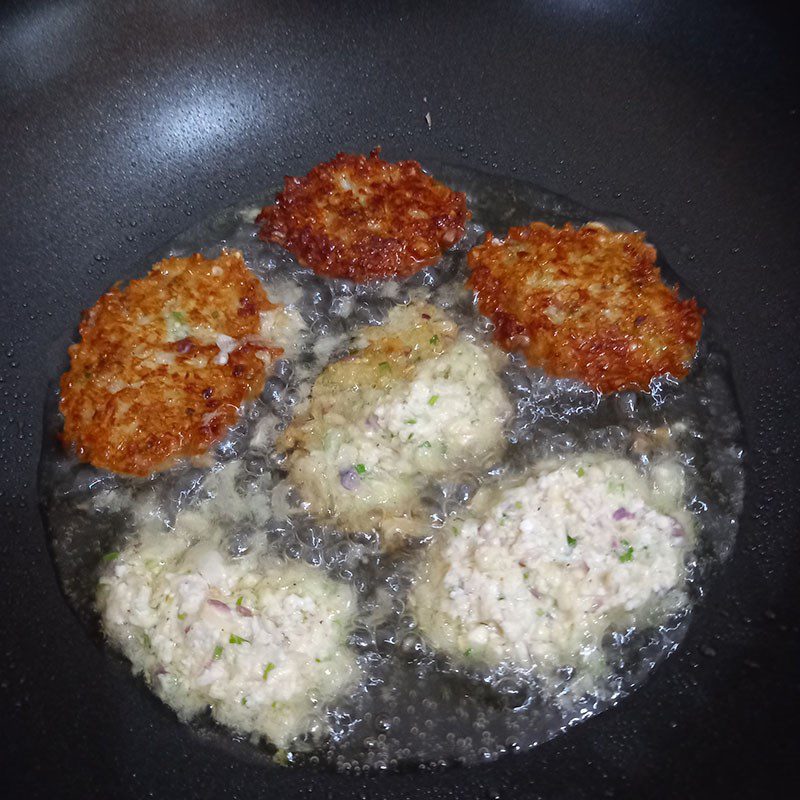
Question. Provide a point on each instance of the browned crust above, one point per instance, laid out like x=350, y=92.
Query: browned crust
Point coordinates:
x=135, y=402
x=365, y=219
x=586, y=304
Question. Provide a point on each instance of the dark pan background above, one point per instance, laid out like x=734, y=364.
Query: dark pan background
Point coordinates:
x=122, y=123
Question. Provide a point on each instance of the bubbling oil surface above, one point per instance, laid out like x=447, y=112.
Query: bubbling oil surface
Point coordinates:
x=414, y=709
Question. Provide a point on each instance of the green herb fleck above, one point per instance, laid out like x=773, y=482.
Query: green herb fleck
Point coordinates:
x=526, y=575
x=571, y=540
x=434, y=339
x=318, y=660
x=244, y=701
x=411, y=422
x=627, y=554
x=267, y=671
x=581, y=472
x=518, y=505
x=146, y=641
x=239, y=600
x=179, y=317
x=539, y=612
x=238, y=639
x=218, y=652
x=385, y=366
x=425, y=444
x=111, y=556
x=468, y=652
x=182, y=616
x=432, y=400
x=360, y=469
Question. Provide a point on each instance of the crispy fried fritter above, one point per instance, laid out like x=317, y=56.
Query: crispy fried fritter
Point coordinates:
x=586, y=304
x=163, y=365
x=365, y=218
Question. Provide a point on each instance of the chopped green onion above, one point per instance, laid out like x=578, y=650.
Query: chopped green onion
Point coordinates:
x=182, y=616
x=627, y=554
x=385, y=366
x=318, y=660
x=411, y=422
x=179, y=317
x=518, y=505
x=111, y=556
x=244, y=701
x=146, y=640
x=434, y=339
x=468, y=652
x=432, y=400
x=360, y=469
x=238, y=639
x=526, y=575
x=239, y=600
x=218, y=652
x=581, y=472
x=425, y=444
x=571, y=540
x=267, y=670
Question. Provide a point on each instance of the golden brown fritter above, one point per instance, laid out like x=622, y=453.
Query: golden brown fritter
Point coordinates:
x=163, y=365
x=365, y=218
x=586, y=304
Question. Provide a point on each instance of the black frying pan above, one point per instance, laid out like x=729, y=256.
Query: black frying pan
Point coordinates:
x=122, y=122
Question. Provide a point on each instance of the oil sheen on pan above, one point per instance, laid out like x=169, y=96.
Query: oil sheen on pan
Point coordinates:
x=346, y=582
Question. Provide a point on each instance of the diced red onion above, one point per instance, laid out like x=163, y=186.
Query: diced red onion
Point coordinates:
x=244, y=611
x=349, y=479
x=218, y=604
x=622, y=513
x=184, y=346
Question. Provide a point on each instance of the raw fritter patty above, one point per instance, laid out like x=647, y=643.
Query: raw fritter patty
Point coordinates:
x=365, y=218
x=415, y=401
x=163, y=365
x=586, y=304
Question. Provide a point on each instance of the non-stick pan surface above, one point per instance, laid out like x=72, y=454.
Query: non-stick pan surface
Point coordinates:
x=121, y=123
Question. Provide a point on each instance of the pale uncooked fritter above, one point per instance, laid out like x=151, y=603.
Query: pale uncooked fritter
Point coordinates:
x=415, y=402
x=540, y=567
x=260, y=642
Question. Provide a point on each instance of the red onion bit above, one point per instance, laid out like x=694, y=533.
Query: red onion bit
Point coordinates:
x=349, y=479
x=244, y=611
x=219, y=605
x=622, y=513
